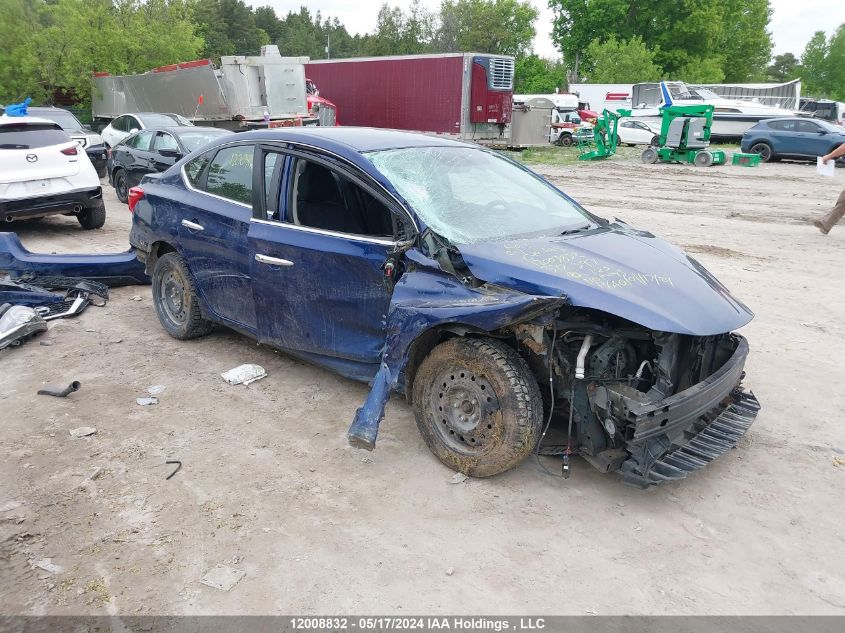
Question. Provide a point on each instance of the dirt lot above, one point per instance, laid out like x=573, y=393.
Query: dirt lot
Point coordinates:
x=270, y=486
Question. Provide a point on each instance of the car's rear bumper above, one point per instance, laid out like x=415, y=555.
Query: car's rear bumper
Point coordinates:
x=40, y=206
x=685, y=432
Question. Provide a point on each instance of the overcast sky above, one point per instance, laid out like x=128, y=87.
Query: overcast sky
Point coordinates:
x=793, y=23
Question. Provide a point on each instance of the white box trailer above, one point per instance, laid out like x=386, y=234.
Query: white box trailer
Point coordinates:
x=235, y=95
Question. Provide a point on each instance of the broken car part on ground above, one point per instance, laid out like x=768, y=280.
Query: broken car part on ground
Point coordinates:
x=503, y=310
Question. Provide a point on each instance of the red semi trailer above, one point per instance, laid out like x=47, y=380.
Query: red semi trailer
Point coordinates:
x=464, y=95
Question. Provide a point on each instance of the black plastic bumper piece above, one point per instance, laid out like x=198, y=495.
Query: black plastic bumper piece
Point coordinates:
x=66, y=202
x=704, y=442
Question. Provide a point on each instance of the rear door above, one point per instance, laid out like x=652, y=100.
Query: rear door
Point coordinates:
x=165, y=152
x=36, y=156
x=786, y=138
x=318, y=263
x=214, y=214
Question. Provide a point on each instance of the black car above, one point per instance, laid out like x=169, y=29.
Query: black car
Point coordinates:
x=153, y=150
x=87, y=138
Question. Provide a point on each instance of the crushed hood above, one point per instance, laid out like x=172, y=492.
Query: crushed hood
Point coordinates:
x=617, y=270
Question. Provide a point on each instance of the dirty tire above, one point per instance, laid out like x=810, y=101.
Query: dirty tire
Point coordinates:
x=121, y=186
x=703, y=159
x=565, y=140
x=764, y=150
x=175, y=299
x=92, y=217
x=503, y=425
x=649, y=156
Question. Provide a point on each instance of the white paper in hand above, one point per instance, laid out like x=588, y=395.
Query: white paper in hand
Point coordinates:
x=823, y=169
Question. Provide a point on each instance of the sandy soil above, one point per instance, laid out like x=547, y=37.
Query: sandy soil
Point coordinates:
x=269, y=485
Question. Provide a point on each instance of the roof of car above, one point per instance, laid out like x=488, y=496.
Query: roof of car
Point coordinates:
x=357, y=139
x=31, y=120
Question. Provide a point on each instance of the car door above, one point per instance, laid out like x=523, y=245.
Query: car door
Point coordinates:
x=815, y=140
x=137, y=156
x=164, y=152
x=115, y=131
x=318, y=264
x=785, y=138
x=214, y=212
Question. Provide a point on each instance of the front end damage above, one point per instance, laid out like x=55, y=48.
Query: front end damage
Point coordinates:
x=654, y=406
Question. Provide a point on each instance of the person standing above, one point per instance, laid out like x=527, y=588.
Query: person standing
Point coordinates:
x=826, y=222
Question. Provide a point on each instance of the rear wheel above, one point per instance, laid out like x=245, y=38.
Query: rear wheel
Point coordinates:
x=764, y=150
x=121, y=186
x=477, y=406
x=703, y=159
x=175, y=299
x=649, y=156
x=92, y=217
x=655, y=141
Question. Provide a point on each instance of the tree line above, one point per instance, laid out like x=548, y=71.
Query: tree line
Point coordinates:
x=49, y=48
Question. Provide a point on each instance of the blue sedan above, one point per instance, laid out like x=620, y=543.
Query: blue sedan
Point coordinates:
x=513, y=320
x=792, y=137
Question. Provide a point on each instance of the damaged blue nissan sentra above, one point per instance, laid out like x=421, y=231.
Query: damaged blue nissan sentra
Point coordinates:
x=513, y=320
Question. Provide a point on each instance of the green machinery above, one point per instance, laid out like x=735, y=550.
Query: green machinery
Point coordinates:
x=604, y=137
x=685, y=137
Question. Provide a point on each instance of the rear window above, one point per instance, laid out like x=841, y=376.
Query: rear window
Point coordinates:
x=64, y=118
x=31, y=136
x=161, y=120
x=195, y=139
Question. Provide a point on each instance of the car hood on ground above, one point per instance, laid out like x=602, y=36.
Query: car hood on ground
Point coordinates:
x=617, y=270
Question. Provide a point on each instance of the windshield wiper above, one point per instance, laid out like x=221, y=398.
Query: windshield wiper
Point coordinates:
x=575, y=230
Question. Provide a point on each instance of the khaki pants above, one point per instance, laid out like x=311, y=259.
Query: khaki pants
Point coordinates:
x=835, y=214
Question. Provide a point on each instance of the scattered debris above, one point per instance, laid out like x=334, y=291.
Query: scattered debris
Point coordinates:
x=155, y=390
x=46, y=343
x=60, y=393
x=18, y=323
x=244, y=374
x=136, y=298
x=48, y=565
x=223, y=577
x=83, y=431
x=838, y=461
x=178, y=467
x=450, y=571
x=116, y=340
x=368, y=460
x=147, y=401
x=458, y=478
x=98, y=471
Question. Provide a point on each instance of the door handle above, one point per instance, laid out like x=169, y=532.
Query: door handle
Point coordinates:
x=192, y=225
x=273, y=261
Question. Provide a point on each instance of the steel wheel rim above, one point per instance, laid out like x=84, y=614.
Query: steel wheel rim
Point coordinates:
x=463, y=405
x=172, y=297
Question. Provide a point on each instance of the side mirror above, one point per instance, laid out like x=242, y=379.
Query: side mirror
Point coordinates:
x=133, y=130
x=170, y=153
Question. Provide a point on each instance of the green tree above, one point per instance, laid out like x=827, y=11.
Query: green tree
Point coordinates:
x=534, y=75
x=616, y=61
x=746, y=42
x=18, y=59
x=486, y=26
x=835, y=65
x=228, y=28
x=267, y=20
x=815, y=74
x=783, y=68
x=577, y=23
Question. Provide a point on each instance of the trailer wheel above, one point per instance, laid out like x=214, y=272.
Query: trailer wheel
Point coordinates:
x=649, y=156
x=764, y=150
x=477, y=406
x=703, y=159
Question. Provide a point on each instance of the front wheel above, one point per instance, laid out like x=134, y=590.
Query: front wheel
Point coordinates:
x=565, y=140
x=477, y=406
x=175, y=299
x=764, y=150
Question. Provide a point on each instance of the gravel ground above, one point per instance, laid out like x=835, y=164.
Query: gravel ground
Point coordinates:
x=269, y=485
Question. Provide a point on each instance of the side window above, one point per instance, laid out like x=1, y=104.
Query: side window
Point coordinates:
x=783, y=126
x=273, y=167
x=230, y=174
x=141, y=141
x=132, y=124
x=809, y=126
x=119, y=124
x=195, y=167
x=325, y=199
x=164, y=140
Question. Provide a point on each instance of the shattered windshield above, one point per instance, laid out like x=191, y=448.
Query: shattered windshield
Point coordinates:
x=472, y=195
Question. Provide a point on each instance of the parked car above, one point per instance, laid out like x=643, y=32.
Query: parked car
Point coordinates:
x=89, y=140
x=792, y=137
x=126, y=124
x=43, y=171
x=636, y=133
x=154, y=150
x=442, y=270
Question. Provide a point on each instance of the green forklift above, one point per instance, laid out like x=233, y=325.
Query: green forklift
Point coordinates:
x=605, y=137
x=685, y=137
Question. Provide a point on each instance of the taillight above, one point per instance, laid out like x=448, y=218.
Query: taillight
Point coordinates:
x=108, y=152
x=135, y=194
x=69, y=151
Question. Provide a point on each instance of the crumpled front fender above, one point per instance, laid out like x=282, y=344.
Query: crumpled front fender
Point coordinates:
x=424, y=299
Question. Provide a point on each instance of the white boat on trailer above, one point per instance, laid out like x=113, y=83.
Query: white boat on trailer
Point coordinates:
x=731, y=117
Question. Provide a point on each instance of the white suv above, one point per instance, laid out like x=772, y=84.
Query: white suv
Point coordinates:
x=45, y=172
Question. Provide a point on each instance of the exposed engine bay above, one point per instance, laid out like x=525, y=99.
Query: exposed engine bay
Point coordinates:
x=653, y=405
